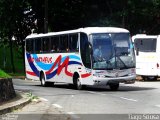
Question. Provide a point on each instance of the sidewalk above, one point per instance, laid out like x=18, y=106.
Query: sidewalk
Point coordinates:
x=18, y=102
x=23, y=109
x=40, y=110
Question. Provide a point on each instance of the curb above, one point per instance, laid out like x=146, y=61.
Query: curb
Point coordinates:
x=14, y=105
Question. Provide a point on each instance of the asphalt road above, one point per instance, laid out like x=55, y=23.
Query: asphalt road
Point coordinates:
x=138, y=98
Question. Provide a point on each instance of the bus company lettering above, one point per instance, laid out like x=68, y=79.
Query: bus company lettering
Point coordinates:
x=41, y=59
x=45, y=59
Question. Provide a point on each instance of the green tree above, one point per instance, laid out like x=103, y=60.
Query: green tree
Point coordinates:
x=16, y=19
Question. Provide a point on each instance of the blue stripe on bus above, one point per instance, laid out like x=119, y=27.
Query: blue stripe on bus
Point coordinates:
x=74, y=57
x=34, y=69
x=74, y=62
x=49, y=76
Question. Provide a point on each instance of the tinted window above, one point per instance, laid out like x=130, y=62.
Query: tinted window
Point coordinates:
x=63, y=43
x=145, y=45
x=58, y=43
x=29, y=45
x=73, y=42
x=37, y=45
x=54, y=43
x=46, y=46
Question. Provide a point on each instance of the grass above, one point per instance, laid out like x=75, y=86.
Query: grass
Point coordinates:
x=16, y=74
x=32, y=97
x=4, y=75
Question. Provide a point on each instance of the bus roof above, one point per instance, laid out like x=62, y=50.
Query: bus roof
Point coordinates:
x=143, y=36
x=87, y=30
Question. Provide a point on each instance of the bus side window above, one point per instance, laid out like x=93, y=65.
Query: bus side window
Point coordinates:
x=141, y=42
x=54, y=44
x=45, y=44
x=29, y=45
x=73, y=40
x=37, y=45
x=63, y=45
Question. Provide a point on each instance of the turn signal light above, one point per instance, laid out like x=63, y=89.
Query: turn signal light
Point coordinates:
x=157, y=65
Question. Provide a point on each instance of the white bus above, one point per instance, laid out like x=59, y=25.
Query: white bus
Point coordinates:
x=68, y=57
x=147, y=49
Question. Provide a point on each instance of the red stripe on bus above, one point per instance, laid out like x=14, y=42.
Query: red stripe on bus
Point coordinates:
x=31, y=73
x=85, y=75
x=58, y=61
x=69, y=73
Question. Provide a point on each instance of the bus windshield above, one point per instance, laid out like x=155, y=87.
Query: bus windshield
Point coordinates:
x=112, y=51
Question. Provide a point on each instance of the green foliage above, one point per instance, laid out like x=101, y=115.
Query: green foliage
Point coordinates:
x=17, y=17
x=17, y=75
x=32, y=97
x=4, y=75
x=130, y=14
x=5, y=57
x=14, y=20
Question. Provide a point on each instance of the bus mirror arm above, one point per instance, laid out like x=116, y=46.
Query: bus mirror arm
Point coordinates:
x=90, y=49
x=137, y=51
x=91, y=53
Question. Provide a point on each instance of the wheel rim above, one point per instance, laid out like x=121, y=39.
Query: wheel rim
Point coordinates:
x=43, y=80
x=78, y=84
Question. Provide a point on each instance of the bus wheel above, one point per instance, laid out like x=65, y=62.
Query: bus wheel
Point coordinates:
x=78, y=84
x=114, y=86
x=42, y=79
x=145, y=78
x=152, y=78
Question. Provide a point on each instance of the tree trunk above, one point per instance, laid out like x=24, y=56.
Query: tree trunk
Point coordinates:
x=23, y=54
x=46, y=17
x=7, y=91
x=11, y=53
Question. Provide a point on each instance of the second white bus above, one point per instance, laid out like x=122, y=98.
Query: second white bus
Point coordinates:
x=68, y=57
x=147, y=49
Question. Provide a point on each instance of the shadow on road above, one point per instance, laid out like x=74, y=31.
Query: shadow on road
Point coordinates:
x=102, y=89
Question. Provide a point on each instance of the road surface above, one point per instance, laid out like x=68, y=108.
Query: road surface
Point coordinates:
x=138, y=98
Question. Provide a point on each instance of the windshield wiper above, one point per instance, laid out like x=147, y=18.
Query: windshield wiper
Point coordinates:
x=125, y=66
x=118, y=56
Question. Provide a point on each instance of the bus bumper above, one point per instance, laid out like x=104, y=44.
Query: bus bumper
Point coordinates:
x=105, y=81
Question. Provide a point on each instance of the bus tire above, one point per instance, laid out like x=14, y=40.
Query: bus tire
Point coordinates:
x=149, y=78
x=145, y=78
x=77, y=82
x=154, y=78
x=114, y=86
x=43, y=81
